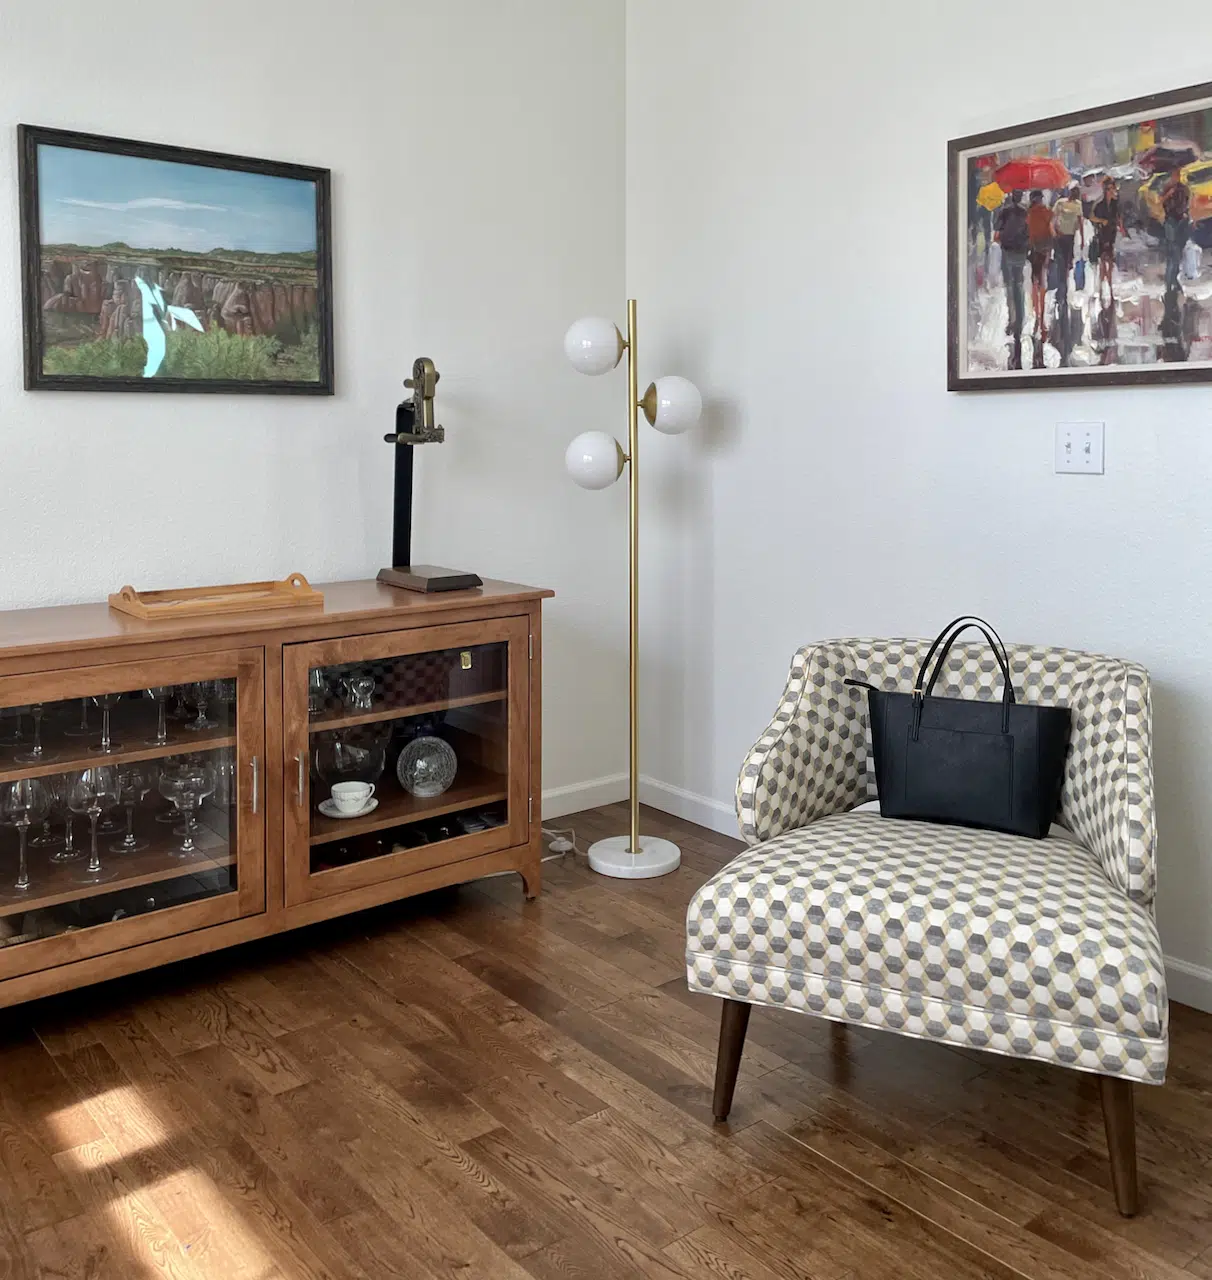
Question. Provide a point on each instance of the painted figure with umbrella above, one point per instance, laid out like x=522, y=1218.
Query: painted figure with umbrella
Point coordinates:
x=1026, y=233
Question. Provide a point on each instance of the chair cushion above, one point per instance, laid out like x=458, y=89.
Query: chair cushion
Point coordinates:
x=1001, y=943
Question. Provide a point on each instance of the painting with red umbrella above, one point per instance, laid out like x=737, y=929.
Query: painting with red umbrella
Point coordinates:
x=1081, y=247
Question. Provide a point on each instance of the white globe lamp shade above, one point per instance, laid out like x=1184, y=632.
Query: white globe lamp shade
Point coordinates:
x=673, y=405
x=593, y=345
x=594, y=460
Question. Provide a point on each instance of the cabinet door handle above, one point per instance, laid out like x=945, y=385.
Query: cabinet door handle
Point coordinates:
x=302, y=777
x=256, y=784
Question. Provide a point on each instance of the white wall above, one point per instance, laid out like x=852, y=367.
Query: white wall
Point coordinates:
x=786, y=201
x=475, y=216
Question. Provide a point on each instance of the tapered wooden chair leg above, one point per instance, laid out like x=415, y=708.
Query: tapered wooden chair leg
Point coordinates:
x=734, y=1022
x=1120, y=1120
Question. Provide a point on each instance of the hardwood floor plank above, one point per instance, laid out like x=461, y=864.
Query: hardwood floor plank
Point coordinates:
x=270, y=1130
x=132, y=1234
x=250, y=1038
x=709, y=1252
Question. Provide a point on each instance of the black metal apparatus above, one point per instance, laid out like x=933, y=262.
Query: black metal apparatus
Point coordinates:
x=415, y=425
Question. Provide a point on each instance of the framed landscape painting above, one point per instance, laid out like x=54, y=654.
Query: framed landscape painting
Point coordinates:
x=153, y=268
x=1080, y=248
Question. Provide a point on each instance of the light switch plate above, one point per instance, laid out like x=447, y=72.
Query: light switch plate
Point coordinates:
x=1079, y=448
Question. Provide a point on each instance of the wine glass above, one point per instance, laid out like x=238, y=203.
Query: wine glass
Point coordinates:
x=202, y=691
x=225, y=777
x=185, y=786
x=60, y=790
x=35, y=753
x=361, y=691
x=106, y=746
x=94, y=792
x=83, y=729
x=133, y=786
x=317, y=691
x=225, y=695
x=25, y=802
x=12, y=737
x=46, y=838
x=161, y=693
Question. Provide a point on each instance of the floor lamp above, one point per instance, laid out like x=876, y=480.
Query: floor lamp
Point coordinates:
x=596, y=460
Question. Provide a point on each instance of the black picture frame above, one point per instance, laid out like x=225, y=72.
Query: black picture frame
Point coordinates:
x=31, y=137
x=1144, y=108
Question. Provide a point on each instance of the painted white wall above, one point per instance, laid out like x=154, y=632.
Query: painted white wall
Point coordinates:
x=786, y=201
x=475, y=215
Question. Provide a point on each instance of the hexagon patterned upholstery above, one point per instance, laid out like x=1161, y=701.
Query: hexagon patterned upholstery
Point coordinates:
x=1038, y=948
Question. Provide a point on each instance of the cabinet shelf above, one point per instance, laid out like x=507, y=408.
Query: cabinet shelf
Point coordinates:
x=70, y=755
x=472, y=787
x=53, y=883
x=347, y=720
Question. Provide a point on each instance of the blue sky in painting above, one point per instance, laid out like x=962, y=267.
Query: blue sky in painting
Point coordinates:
x=91, y=198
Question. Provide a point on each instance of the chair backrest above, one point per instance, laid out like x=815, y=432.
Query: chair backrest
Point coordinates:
x=1107, y=795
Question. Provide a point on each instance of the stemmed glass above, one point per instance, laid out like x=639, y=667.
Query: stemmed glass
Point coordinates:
x=94, y=792
x=12, y=737
x=155, y=771
x=60, y=791
x=185, y=786
x=317, y=691
x=361, y=692
x=225, y=777
x=83, y=729
x=106, y=746
x=133, y=786
x=36, y=752
x=25, y=802
x=46, y=838
x=161, y=693
x=202, y=691
x=224, y=695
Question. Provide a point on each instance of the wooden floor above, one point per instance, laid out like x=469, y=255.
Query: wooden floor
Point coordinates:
x=470, y=1086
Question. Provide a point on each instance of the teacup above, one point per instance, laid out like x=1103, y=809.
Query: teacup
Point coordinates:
x=352, y=797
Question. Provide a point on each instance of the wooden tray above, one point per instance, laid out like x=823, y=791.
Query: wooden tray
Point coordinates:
x=293, y=592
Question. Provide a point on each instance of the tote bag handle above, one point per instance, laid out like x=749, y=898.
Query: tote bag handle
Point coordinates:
x=942, y=645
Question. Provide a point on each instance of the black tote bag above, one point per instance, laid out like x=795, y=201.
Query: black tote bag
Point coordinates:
x=997, y=765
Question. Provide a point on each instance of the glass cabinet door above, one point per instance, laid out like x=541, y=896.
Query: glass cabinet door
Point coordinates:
x=404, y=751
x=130, y=804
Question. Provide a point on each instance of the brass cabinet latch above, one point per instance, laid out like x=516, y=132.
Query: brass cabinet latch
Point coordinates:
x=465, y=659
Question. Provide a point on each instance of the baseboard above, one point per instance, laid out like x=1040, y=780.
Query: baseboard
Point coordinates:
x=557, y=801
x=1189, y=983
x=715, y=815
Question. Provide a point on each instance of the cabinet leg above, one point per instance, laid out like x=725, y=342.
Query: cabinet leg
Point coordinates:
x=532, y=879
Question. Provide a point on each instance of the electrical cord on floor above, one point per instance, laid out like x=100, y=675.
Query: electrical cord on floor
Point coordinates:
x=561, y=842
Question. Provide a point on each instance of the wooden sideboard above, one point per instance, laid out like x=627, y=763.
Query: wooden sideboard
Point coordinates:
x=196, y=824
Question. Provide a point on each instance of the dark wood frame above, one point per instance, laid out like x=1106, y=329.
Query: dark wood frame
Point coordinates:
x=1119, y=1117
x=1150, y=104
x=30, y=137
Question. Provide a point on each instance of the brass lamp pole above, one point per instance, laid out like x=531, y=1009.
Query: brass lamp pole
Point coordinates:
x=595, y=460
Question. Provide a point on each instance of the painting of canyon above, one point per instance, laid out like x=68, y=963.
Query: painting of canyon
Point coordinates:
x=1081, y=248
x=149, y=270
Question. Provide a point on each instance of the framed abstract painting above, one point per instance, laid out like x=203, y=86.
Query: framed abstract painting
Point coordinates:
x=1080, y=248
x=154, y=268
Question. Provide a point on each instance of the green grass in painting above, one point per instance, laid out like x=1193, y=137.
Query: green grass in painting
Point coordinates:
x=217, y=355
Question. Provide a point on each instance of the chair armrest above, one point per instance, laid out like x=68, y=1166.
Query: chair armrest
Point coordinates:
x=1107, y=798
x=811, y=760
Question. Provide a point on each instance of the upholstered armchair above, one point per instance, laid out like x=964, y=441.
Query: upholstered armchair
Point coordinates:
x=1043, y=949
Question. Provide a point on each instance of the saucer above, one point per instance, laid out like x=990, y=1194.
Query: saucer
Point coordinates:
x=330, y=810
